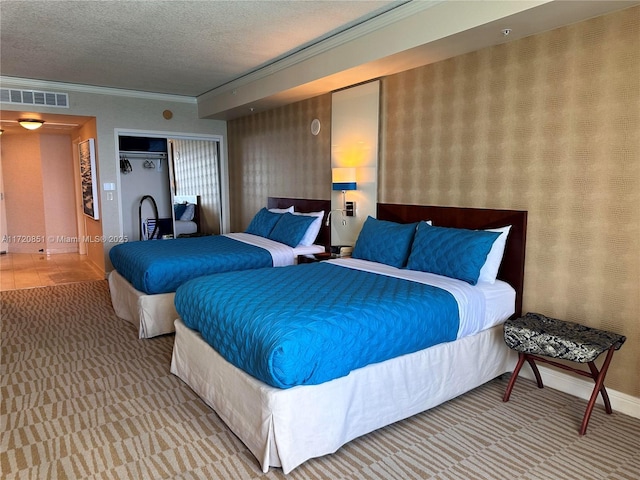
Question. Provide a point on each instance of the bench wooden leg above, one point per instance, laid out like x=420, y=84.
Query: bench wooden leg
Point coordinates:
x=536, y=372
x=514, y=376
x=599, y=388
x=603, y=391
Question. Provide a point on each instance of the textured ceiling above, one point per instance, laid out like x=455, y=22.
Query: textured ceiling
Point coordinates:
x=239, y=56
x=172, y=47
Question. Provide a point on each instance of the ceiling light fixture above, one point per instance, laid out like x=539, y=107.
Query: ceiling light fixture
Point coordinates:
x=30, y=123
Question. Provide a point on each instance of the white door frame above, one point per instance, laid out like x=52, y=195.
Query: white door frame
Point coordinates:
x=224, y=175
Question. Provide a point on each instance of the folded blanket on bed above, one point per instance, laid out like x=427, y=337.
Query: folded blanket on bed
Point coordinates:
x=161, y=266
x=311, y=323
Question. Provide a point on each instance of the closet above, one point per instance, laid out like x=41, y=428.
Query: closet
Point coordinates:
x=156, y=170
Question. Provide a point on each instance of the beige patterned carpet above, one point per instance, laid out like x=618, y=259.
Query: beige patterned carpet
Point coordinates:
x=82, y=397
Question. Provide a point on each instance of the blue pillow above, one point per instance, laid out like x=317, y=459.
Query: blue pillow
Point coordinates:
x=178, y=210
x=184, y=211
x=384, y=242
x=452, y=252
x=291, y=228
x=263, y=223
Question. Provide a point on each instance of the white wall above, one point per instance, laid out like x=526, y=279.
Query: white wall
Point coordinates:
x=354, y=143
x=144, y=181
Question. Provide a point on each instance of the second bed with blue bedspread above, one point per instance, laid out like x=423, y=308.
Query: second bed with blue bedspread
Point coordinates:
x=161, y=266
x=308, y=324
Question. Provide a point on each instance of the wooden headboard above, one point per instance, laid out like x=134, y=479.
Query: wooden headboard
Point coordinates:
x=306, y=205
x=512, y=267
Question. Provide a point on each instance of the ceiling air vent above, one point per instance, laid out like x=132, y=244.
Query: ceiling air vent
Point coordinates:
x=33, y=97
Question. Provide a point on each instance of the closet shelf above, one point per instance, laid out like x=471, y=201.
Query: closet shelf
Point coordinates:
x=143, y=155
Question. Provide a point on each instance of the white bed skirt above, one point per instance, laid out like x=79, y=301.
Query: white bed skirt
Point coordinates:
x=152, y=315
x=284, y=428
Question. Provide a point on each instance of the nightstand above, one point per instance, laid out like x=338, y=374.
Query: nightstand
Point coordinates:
x=316, y=257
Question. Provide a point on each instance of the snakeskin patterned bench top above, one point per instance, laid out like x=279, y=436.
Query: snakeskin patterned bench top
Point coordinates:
x=536, y=334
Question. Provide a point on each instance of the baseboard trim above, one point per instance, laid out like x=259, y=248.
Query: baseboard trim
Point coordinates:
x=620, y=402
x=54, y=251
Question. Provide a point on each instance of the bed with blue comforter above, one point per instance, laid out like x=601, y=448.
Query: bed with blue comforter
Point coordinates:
x=351, y=319
x=161, y=266
x=395, y=340
x=146, y=274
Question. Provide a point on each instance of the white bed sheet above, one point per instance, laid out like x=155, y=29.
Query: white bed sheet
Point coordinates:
x=154, y=315
x=481, y=306
x=281, y=254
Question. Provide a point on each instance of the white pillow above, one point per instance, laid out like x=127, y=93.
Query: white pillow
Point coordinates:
x=189, y=213
x=282, y=210
x=489, y=270
x=312, y=231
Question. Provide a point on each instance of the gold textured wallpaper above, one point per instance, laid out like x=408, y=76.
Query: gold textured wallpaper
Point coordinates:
x=549, y=124
x=274, y=154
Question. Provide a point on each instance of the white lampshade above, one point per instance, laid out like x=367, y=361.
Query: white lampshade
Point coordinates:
x=30, y=124
x=343, y=179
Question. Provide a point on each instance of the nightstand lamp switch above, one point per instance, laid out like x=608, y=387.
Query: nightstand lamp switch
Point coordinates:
x=350, y=208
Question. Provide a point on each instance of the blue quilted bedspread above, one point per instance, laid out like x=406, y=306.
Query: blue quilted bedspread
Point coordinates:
x=311, y=323
x=161, y=266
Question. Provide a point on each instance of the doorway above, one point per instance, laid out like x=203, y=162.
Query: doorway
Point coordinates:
x=38, y=187
x=162, y=166
x=38, y=175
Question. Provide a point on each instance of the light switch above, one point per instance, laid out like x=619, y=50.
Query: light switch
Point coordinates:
x=350, y=208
